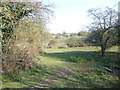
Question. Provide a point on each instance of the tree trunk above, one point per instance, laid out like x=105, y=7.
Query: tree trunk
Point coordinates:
x=102, y=50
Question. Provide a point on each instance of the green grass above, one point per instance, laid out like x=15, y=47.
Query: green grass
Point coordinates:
x=68, y=68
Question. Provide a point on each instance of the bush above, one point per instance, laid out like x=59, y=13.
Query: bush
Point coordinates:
x=52, y=43
x=75, y=42
x=57, y=43
x=16, y=61
x=21, y=49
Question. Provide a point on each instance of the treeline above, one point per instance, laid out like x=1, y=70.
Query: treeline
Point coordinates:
x=63, y=40
x=81, y=39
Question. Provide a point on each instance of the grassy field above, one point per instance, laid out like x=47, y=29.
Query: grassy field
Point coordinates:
x=81, y=67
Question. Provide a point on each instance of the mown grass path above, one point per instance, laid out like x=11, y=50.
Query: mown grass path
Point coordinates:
x=71, y=68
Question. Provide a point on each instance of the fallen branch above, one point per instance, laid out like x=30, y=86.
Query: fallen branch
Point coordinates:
x=109, y=70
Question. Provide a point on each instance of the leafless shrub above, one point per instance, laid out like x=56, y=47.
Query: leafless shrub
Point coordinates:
x=15, y=60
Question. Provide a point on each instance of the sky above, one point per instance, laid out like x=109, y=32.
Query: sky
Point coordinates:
x=71, y=15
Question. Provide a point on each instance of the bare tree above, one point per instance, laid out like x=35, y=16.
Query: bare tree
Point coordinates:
x=103, y=21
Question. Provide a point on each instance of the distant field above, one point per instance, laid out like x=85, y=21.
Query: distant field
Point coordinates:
x=81, y=67
x=87, y=48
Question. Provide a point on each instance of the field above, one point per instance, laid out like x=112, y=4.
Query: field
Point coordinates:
x=81, y=67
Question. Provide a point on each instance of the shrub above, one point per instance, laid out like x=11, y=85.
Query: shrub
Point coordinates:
x=52, y=43
x=21, y=49
x=14, y=62
x=75, y=42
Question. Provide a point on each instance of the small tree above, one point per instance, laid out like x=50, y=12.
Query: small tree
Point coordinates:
x=101, y=34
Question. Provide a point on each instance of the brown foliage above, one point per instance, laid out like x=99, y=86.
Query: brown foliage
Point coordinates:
x=14, y=61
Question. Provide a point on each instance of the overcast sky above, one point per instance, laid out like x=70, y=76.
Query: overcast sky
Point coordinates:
x=71, y=15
